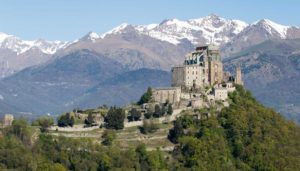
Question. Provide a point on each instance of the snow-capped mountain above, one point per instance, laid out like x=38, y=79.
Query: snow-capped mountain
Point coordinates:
x=208, y=29
x=230, y=34
x=198, y=31
x=21, y=46
x=211, y=29
x=259, y=32
x=91, y=36
x=272, y=28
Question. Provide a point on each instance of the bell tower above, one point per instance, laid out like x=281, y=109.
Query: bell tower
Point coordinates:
x=238, y=76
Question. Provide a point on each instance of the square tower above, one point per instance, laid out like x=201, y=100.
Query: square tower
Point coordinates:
x=200, y=68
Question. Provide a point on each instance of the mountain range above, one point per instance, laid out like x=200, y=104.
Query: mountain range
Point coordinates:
x=54, y=76
x=230, y=34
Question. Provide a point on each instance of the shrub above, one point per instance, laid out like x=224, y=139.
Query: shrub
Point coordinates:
x=149, y=127
x=44, y=123
x=108, y=136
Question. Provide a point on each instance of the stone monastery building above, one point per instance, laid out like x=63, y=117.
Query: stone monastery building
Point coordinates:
x=201, y=68
x=201, y=74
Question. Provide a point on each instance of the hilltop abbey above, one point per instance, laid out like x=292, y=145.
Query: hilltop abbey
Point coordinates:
x=200, y=75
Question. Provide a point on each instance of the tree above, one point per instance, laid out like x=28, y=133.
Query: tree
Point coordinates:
x=170, y=110
x=146, y=97
x=65, y=120
x=108, y=136
x=115, y=118
x=148, y=115
x=176, y=132
x=157, y=111
x=135, y=115
x=89, y=120
x=163, y=110
x=21, y=130
x=44, y=123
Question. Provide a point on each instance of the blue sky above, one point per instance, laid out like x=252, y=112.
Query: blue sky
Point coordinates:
x=71, y=19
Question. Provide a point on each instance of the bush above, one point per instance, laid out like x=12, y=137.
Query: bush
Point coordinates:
x=108, y=137
x=149, y=127
x=44, y=123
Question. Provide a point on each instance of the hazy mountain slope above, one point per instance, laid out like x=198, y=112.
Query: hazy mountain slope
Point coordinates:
x=124, y=88
x=271, y=71
x=48, y=88
x=80, y=79
x=134, y=50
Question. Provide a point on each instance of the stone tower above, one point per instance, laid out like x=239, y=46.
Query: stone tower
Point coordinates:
x=200, y=68
x=238, y=76
x=215, y=73
x=8, y=119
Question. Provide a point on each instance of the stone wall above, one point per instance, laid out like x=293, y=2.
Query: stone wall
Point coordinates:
x=178, y=76
x=171, y=94
x=194, y=76
x=220, y=94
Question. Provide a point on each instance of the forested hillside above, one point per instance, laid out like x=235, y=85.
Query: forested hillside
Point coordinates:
x=244, y=136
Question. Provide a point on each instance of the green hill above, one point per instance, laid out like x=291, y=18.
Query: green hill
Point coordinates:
x=244, y=136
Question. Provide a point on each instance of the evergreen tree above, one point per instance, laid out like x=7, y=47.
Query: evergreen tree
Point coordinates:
x=65, y=120
x=115, y=118
x=170, y=109
x=135, y=115
x=157, y=111
x=176, y=132
x=163, y=110
x=146, y=97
